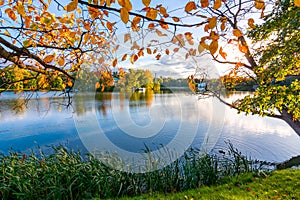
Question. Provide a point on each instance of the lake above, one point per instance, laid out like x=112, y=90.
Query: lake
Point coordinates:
x=127, y=124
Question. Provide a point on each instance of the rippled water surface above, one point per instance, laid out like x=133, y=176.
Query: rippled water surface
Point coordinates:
x=131, y=122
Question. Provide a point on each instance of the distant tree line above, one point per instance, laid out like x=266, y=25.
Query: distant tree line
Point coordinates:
x=15, y=78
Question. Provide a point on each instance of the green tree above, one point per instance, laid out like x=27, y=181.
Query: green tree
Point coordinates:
x=136, y=79
x=278, y=69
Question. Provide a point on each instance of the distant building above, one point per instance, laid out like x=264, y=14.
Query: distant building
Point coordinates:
x=201, y=87
x=140, y=90
x=116, y=81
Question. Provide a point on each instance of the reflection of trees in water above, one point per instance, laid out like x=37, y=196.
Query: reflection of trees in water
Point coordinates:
x=135, y=99
x=103, y=102
x=16, y=106
x=37, y=103
x=81, y=103
x=141, y=98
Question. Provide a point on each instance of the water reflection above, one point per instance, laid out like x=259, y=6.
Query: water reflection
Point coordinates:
x=45, y=120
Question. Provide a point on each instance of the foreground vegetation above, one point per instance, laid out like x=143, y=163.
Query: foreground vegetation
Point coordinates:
x=68, y=175
x=280, y=184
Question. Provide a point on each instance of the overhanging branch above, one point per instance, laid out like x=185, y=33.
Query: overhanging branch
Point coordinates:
x=26, y=52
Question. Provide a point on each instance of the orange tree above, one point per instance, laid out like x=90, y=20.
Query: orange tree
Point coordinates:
x=57, y=39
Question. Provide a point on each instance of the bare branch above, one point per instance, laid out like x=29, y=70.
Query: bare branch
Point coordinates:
x=231, y=62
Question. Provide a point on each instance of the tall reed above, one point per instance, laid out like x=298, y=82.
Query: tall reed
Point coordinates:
x=66, y=174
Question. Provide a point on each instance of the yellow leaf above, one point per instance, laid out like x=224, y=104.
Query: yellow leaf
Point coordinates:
x=251, y=23
x=158, y=56
x=1, y=2
x=152, y=14
x=61, y=61
x=213, y=47
x=176, y=49
x=125, y=4
x=114, y=63
x=110, y=25
x=127, y=37
x=124, y=57
x=71, y=6
x=149, y=51
x=167, y=51
x=186, y=55
x=222, y=53
x=133, y=58
x=49, y=58
x=70, y=84
x=192, y=52
x=175, y=19
x=27, y=21
x=204, y=3
x=237, y=33
x=214, y=36
x=140, y=53
x=203, y=43
x=163, y=25
x=259, y=4
x=146, y=2
x=87, y=26
x=223, y=26
x=190, y=6
x=217, y=4
x=151, y=26
x=124, y=15
x=97, y=85
x=200, y=48
x=159, y=33
x=94, y=12
x=108, y=2
x=6, y=33
x=262, y=15
x=297, y=3
x=212, y=22
x=21, y=9
x=189, y=38
x=135, y=46
x=162, y=10
x=134, y=25
x=11, y=14
x=206, y=28
x=243, y=48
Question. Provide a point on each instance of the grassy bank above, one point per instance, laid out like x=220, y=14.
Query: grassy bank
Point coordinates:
x=69, y=175
x=280, y=184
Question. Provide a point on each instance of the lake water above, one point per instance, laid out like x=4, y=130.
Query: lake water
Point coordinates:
x=128, y=123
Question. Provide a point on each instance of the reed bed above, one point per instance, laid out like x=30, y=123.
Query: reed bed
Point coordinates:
x=66, y=174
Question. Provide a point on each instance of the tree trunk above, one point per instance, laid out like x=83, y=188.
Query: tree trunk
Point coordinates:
x=295, y=125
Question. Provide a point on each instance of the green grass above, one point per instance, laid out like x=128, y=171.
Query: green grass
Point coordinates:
x=279, y=184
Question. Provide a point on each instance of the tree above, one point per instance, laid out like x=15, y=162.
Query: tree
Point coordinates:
x=278, y=69
x=84, y=32
x=136, y=79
